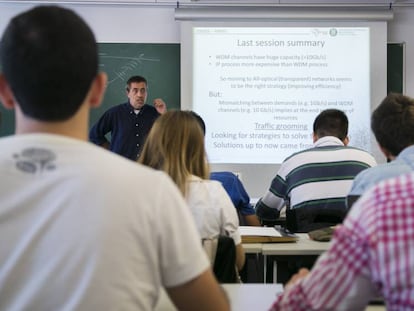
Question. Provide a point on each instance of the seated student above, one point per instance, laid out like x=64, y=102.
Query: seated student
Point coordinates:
x=234, y=188
x=175, y=145
x=238, y=196
x=83, y=228
x=392, y=123
x=314, y=183
x=370, y=254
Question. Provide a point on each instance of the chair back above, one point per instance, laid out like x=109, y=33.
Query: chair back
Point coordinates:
x=306, y=219
x=222, y=254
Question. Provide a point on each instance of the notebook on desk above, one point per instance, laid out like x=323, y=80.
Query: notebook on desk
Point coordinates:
x=251, y=234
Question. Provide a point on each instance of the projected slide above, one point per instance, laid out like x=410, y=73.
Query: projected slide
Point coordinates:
x=259, y=89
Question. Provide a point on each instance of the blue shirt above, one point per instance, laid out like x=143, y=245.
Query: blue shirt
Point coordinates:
x=372, y=176
x=235, y=190
x=128, y=129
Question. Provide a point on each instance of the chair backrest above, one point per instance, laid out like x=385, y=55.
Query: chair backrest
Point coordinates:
x=306, y=219
x=222, y=254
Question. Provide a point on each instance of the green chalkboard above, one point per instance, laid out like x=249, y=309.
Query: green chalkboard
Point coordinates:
x=158, y=63
x=395, y=67
x=6, y=121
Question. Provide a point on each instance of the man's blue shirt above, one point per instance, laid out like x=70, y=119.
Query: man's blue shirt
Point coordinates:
x=402, y=164
x=236, y=191
x=128, y=130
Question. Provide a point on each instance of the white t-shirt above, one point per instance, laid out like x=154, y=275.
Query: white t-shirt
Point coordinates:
x=213, y=211
x=84, y=229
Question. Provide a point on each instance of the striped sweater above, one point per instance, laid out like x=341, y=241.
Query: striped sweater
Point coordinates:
x=318, y=178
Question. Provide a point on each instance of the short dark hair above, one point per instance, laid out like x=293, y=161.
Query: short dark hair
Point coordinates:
x=49, y=57
x=135, y=79
x=200, y=121
x=331, y=122
x=393, y=123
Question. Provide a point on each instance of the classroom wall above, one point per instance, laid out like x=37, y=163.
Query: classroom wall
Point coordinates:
x=400, y=30
x=120, y=23
x=152, y=24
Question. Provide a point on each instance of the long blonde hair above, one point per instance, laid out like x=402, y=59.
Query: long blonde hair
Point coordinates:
x=175, y=145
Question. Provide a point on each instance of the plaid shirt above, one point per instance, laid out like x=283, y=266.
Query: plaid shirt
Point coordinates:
x=371, y=253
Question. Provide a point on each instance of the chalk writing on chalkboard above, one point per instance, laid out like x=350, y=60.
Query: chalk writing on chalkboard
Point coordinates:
x=127, y=65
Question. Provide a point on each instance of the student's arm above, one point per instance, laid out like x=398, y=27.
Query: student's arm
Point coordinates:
x=339, y=280
x=100, y=129
x=241, y=201
x=240, y=256
x=251, y=220
x=269, y=209
x=202, y=293
x=230, y=222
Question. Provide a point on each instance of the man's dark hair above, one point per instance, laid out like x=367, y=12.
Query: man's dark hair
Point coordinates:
x=393, y=123
x=331, y=122
x=135, y=79
x=200, y=121
x=49, y=58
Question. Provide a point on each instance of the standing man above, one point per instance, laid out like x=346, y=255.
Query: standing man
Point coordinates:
x=314, y=183
x=61, y=246
x=129, y=123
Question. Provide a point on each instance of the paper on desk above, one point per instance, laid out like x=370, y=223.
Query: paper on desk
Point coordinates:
x=259, y=231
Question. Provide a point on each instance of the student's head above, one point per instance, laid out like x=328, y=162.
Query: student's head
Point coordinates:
x=175, y=145
x=393, y=124
x=200, y=121
x=49, y=59
x=331, y=122
x=137, y=91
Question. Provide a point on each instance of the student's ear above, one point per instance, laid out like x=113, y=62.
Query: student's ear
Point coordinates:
x=6, y=95
x=97, y=90
x=346, y=141
x=314, y=137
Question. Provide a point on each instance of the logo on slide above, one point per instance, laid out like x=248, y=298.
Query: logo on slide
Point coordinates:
x=333, y=32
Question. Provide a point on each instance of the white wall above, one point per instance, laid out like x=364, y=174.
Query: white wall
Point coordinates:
x=401, y=30
x=148, y=24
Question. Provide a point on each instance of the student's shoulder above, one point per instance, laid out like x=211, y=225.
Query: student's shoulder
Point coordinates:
x=362, y=154
x=383, y=171
x=223, y=176
x=212, y=186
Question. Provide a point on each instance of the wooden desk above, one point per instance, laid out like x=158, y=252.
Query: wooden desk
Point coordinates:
x=245, y=297
x=303, y=247
x=253, y=248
